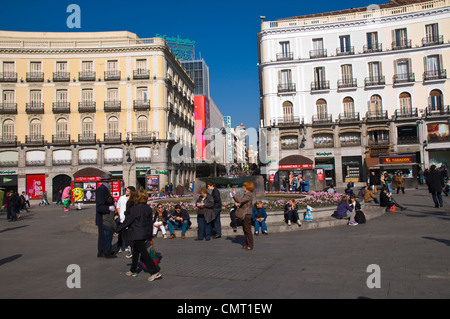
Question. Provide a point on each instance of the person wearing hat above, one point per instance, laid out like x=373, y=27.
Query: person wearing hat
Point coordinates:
x=104, y=206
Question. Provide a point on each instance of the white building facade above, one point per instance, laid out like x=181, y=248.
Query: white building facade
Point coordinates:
x=345, y=88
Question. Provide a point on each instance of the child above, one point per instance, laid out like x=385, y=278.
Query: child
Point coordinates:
x=259, y=216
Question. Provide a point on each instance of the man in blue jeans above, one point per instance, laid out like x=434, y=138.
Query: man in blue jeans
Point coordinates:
x=179, y=219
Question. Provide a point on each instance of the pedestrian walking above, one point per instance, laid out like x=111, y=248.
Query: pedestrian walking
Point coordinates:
x=104, y=204
x=435, y=182
x=140, y=224
x=244, y=204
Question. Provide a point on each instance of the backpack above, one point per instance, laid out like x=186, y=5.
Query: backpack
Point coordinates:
x=360, y=217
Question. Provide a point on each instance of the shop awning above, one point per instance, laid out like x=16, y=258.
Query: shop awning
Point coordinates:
x=90, y=172
x=293, y=162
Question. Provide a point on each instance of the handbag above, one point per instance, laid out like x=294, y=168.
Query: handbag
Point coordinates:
x=360, y=217
x=240, y=213
x=153, y=255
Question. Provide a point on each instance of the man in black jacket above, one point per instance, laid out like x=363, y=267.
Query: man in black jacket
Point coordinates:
x=435, y=182
x=103, y=192
x=217, y=226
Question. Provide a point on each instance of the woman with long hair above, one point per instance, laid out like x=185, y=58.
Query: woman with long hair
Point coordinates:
x=245, y=204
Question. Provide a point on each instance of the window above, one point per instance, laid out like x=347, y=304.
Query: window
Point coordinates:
x=349, y=107
x=35, y=128
x=403, y=71
x=285, y=81
x=285, y=51
x=288, y=116
x=347, y=76
x=87, y=95
x=112, y=65
x=113, y=94
x=35, y=67
x=344, y=45
x=375, y=105
x=142, y=124
x=141, y=65
x=322, y=112
x=405, y=103
x=434, y=68
x=62, y=128
x=8, y=97
x=8, y=130
x=61, y=96
x=435, y=101
x=432, y=34
x=87, y=127
x=323, y=140
x=320, y=82
x=61, y=67
x=35, y=98
x=87, y=67
x=372, y=42
x=113, y=126
x=375, y=70
x=400, y=39
x=142, y=94
x=317, y=49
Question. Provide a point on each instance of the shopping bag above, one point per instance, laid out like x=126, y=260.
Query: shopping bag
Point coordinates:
x=392, y=208
x=152, y=253
x=308, y=214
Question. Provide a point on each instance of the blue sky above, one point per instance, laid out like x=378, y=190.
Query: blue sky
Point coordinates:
x=224, y=31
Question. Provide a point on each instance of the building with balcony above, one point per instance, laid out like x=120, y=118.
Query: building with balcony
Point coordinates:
x=108, y=100
x=341, y=88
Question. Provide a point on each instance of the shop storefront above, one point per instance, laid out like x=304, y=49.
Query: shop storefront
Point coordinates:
x=36, y=186
x=405, y=164
x=352, y=169
x=87, y=180
x=8, y=180
x=325, y=161
x=293, y=165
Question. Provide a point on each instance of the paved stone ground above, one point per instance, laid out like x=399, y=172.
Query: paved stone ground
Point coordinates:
x=411, y=248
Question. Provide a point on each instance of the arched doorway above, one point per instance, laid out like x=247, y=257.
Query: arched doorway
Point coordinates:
x=59, y=183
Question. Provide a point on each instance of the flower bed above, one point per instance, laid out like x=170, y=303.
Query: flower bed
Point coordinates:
x=315, y=199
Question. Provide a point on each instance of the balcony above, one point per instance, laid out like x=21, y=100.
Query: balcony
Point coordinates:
x=8, y=108
x=34, y=140
x=406, y=113
x=347, y=83
x=374, y=81
x=377, y=47
x=431, y=111
x=401, y=44
x=61, y=107
x=349, y=117
x=145, y=136
x=322, y=119
x=377, y=115
x=61, y=76
x=114, y=137
x=8, y=77
x=286, y=88
x=350, y=143
x=86, y=76
x=113, y=75
x=35, y=76
x=287, y=121
x=436, y=40
x=141, y=105
x=112, y=106
x=86, y=107
x=435, y=75
x=320, y=85
x=404, y=78
x=87, y=138
x=8, y=140
x=321, y=53
x=345, y=51
x=285, y=56
x=141, y=74
x=35, y=108
x=378, y=142
x=61, y=139
x=324, y=144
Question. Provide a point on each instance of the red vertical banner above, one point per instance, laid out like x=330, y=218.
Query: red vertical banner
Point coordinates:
x=35, y=185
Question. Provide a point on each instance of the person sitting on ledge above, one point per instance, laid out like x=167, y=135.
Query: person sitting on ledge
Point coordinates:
x=342, y=209
x=179, y=219
x=291, y=213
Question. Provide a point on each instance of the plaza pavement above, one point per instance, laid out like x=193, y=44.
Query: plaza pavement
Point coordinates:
x=411, y=249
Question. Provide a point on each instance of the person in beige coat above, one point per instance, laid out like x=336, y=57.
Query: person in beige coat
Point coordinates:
x=244, y=210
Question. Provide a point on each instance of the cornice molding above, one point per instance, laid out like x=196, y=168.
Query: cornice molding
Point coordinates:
x=355, y=23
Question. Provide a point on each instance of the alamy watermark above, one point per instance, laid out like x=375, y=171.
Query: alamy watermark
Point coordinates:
x=74, y=279
x=74, y=19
